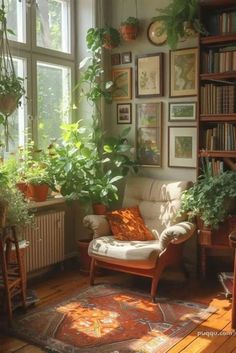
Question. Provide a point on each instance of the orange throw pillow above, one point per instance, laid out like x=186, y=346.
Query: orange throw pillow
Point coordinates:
x=128, y=224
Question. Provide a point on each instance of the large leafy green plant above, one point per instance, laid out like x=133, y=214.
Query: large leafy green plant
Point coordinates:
x=87, y=166
x=210, y=197
x=174, y=18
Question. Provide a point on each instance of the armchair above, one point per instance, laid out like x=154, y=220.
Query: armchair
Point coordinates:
x=158, y=202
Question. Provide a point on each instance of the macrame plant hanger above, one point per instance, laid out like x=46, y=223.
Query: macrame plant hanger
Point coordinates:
x=8, y=101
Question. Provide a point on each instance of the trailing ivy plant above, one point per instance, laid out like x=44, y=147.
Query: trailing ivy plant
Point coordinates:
x=210, y=197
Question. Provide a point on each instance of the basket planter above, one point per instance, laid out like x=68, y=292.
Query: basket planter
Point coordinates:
x=8, y=104
x=129, y=32
x=38, y=192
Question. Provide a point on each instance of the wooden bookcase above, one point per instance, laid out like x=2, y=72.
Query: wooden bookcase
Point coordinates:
x=217, y=104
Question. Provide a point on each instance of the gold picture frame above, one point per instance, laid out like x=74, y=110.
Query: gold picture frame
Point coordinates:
x=122, y=79
x=184, y=72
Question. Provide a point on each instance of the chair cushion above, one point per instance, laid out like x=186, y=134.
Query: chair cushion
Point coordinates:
x=128, y=224
x=138, y=254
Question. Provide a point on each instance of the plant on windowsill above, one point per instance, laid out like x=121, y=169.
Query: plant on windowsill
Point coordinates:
x=129, y=28
x=212, y=198
x=180, y=19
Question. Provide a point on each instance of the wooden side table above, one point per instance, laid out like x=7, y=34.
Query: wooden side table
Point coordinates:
x=214, y=240
x=232, y=240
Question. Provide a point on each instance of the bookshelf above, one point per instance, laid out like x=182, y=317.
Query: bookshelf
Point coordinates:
x=217, y=104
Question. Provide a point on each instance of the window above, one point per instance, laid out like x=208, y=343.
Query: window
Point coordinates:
x=42, y=56
x=53, y=24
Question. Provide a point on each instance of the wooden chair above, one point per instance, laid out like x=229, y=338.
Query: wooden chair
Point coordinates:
x=11, y=270
x=232, y=239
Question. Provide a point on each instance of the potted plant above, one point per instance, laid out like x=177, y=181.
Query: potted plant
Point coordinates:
x=180, y=19
x=106, y=37
x=212, y=198
x=129, y=28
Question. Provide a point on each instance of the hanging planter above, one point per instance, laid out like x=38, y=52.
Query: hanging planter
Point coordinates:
x=110, y=38
x=11, y=86
x=129, y=29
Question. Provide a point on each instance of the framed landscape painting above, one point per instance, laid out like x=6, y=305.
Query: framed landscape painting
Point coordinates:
x=122, y=83
x=149, y=71
x=180, y=111
x=183, y=72
x=148, y=134
x=182, y=141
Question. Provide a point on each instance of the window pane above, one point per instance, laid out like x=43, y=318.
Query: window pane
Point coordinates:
x=53, y=24
x=16, y=19
x=16, y=121
x=54, y=97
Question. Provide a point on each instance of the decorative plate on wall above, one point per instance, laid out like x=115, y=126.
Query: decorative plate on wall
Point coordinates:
x=154, y=33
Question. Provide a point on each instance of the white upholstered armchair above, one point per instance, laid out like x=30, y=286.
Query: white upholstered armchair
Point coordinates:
x=158, y=201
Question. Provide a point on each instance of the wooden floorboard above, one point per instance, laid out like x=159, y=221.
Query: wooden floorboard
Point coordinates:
x=214, y=335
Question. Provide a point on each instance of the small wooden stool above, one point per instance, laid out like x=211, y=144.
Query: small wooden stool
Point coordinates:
x=11, y=273
x=232, y=240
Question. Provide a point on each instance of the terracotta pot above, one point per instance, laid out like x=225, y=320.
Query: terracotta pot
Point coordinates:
x=8, y=104
x=38, y=192
x=23, y=187
x=99, y=209
x=129, y=32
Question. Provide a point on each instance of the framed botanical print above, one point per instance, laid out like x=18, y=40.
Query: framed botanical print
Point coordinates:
x=124, y=113
x=182, y=141
x=183, y=72
x=122, y=83
x=182, y=111
x=148, y=134
x=149, y=71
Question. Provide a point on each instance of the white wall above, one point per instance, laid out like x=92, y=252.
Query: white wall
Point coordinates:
x=118, y=10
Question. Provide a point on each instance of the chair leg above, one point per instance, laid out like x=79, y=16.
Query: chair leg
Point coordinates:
x=155, y=281
x=92, y=272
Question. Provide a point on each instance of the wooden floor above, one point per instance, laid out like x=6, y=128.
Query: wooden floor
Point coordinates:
x=212, y=336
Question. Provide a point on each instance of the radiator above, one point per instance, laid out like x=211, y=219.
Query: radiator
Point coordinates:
x=46, y=241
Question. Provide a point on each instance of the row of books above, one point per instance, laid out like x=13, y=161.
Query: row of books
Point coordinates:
x=219, y=60
x=222, y=23
x=222, y=137
x=216, y=99
x=217, y=166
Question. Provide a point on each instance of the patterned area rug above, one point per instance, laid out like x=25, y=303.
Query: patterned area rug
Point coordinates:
x=109, y=319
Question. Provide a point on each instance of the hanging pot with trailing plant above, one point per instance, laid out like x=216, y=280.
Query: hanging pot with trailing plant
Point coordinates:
x=110, y=37
x=129, y=29
x=11, y=86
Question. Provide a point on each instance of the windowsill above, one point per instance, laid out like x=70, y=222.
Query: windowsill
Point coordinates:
x=49, y=202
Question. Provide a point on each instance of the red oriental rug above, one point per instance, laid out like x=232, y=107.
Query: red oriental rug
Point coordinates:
x=107, y=319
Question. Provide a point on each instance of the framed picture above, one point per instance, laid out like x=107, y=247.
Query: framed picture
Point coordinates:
x=115, y=59
x=149, y=69
x=122, y=83
x=148, y=134
x=182, y=141
x=182, y=111
x=183, y=72
x=126, y=58
x=124, y=113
